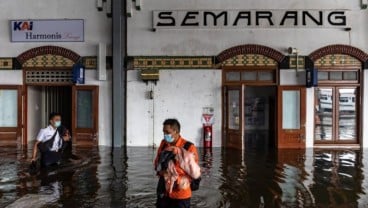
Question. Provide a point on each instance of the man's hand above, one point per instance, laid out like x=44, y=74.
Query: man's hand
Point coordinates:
x=66, y=138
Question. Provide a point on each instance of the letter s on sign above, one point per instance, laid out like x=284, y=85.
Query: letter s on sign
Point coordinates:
x=165, y=19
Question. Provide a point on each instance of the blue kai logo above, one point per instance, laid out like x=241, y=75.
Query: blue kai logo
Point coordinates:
x=22, y=25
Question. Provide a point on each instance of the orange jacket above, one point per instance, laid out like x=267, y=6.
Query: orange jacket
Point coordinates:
x=177, y=193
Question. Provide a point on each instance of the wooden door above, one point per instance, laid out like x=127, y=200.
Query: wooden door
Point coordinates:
x=11, y=115
x=291, y=116
x=85, y=115
x=234, y=116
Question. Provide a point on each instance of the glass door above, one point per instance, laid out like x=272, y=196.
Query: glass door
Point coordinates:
x=291, y=117
x=234, y=126
x=85, y=115
x=336, y=115
x=11, y=115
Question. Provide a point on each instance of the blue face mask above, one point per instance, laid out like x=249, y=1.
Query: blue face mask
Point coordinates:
x=57, y=124
x=168, y=138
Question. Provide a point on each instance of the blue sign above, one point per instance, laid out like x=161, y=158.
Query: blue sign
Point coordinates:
x=78, y=74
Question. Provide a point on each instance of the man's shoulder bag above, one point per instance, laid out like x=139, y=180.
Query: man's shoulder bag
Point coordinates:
x=47, y=145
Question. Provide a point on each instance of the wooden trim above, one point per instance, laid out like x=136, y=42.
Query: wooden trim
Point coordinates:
x=47, y=69
x=247, y=68
x=25, y=112
x=74, y=113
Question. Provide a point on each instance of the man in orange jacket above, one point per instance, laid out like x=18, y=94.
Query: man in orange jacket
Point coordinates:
x=178, y=198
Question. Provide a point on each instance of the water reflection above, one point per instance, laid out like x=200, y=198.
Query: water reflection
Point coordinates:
x=125, y=178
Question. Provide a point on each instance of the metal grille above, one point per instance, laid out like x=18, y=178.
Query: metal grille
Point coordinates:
x=54, y=77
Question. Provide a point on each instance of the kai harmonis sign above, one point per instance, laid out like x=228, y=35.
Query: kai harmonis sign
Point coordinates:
x=242, y=19
x=54, y=30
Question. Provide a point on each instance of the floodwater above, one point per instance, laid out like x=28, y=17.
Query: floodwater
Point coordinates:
x=286, y=178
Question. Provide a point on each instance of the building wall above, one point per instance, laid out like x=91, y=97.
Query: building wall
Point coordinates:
x=97, y=29
x=11, y=77
x=187, y=42
x=178, y=94
x=97, y=25
x=143, y=41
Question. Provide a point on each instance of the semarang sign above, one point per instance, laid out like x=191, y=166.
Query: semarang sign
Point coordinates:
x=241, y=19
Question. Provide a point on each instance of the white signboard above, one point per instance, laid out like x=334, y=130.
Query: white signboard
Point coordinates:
x=54, y=30
x=242, y=19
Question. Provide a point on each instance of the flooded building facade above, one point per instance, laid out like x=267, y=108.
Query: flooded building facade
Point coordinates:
x=286, y=75
x=42, y=42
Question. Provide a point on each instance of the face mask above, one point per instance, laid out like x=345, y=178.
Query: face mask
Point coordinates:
x=168, y=138
x=57, y=124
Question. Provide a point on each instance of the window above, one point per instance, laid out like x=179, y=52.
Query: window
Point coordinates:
x=291, y=111
x=8, y=108
x=338, y=76
x=336, y=118
x=250, y=75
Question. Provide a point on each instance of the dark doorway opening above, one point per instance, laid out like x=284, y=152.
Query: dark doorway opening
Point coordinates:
x=41, y=101
x=260, y=117
x=59, y=99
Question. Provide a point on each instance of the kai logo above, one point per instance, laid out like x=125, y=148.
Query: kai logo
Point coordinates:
x=23, y=25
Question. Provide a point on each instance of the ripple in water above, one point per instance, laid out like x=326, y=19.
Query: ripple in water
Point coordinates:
x=254, y=178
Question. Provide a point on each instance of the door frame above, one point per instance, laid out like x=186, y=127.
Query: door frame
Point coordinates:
x=226, y=129
x=301, y=143
x=95, y=107
x=19, y=128
x=25, y=104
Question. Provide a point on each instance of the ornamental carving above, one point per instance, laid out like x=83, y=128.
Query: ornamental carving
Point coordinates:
x=250, y=49
x=43, y=50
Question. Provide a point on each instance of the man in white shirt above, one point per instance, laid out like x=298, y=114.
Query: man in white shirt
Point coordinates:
x=50, y=141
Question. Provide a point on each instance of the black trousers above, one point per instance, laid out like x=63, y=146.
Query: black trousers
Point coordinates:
x=166, y=202
x=50, y=158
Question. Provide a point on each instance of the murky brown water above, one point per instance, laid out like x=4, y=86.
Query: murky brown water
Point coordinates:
x=288, y=178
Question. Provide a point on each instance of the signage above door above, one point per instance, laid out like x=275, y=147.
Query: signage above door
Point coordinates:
x=242, y=19
x=52, y=30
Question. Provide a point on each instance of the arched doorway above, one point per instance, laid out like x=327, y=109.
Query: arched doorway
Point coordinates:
x=338, y=106
x=48, y=87
x=250, y=79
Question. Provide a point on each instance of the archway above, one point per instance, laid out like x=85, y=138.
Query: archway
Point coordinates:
x=250, y=78
x=337, y=117
x=48, y=83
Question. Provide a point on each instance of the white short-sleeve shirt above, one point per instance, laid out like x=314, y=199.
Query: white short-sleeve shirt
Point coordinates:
x=46, y=134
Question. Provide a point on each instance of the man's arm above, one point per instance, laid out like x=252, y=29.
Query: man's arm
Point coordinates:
x=159, y=150
x=35, y=148
x=193, y=150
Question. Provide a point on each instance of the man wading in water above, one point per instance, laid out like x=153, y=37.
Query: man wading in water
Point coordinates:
x=176, y=164
x=54, y=142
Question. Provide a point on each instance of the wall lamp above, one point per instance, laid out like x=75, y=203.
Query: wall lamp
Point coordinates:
x=295, y=52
